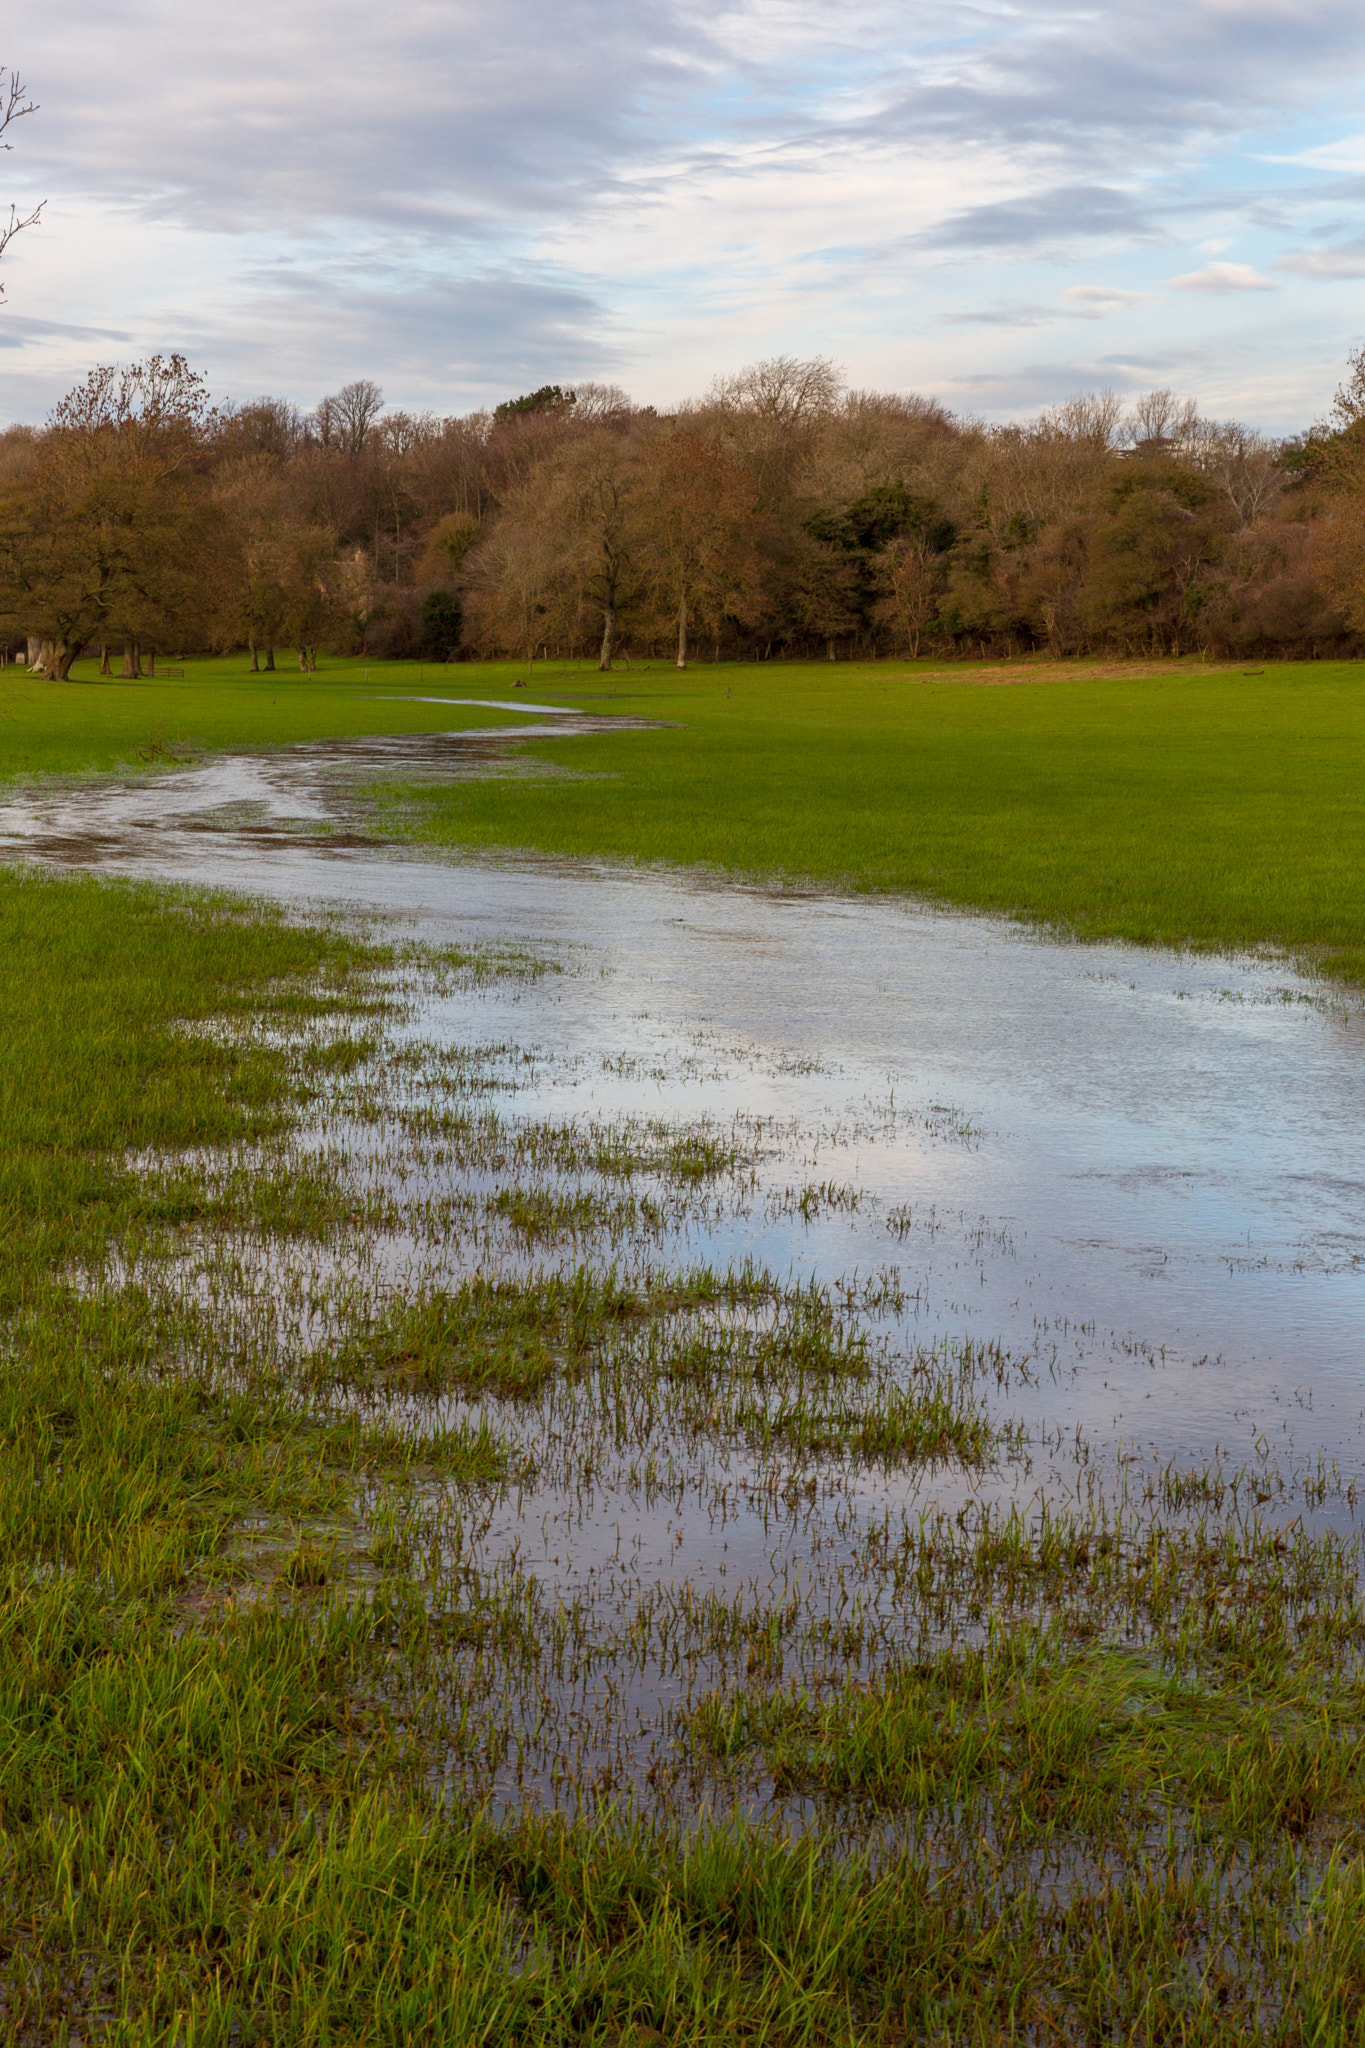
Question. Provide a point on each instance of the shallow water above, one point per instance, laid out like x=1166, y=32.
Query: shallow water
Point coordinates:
x=1139, y=1172
x=1171, y=1144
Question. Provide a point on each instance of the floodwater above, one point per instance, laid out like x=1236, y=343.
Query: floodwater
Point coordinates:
x=1140, y=1170
x=1173, y=1144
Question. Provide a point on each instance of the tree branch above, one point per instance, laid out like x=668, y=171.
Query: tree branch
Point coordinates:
x=14, y=105
x=14, y=102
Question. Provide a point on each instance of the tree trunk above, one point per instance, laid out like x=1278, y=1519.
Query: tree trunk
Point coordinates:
x=105, y=669
x=255, y=665
x=58, y=656
x=831, y=650
x=608, y=637
x=35, y=649
x=682, y=634
x=151, y=662
x=270, y=661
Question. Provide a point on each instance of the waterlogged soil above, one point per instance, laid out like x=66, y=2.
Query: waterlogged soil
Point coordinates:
x=816, y=1261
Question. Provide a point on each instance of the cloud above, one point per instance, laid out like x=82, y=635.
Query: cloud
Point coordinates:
x=1062, y=214
x=1346, y=153
x=1094, y=300
x=1224, y=277
x=26, y=329
x=491, y=336
x=1077, y=301
x=1031, y=385
x=1326, y=265
x=456, y=198
x=1001, y=316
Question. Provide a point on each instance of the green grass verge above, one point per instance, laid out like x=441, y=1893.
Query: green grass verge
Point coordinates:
x=88, y=726
x=133, y=1019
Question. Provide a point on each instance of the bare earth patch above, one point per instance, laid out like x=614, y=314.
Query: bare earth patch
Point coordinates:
x=996, y=675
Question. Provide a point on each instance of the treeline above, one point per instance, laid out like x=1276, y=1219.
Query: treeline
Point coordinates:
x=782, y=514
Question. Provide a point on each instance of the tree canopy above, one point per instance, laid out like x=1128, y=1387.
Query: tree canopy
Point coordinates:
x=781, y=512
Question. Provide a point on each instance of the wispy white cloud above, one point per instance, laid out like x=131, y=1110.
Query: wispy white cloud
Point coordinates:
x=1095, y=300
x=1327, y=265
x=1224, y=277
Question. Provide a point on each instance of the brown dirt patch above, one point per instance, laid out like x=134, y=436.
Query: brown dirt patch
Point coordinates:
x=1004, y=674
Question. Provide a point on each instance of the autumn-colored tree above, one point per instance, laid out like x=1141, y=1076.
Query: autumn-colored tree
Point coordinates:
x=313, y=601
x=517, y=594
x=694, y=530
x=1149, y=560
x=447, y=545
x=108, y=535
x=599, y=504
x=1338, y=460
x=780, y=503
x=770, y=418
x=909, y=590
x=251, y=592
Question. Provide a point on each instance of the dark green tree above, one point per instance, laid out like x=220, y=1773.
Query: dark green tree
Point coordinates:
x=442, y=619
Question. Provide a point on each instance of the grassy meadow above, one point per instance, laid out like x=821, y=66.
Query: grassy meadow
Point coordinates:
x=1159, y=802
x=297, y=1302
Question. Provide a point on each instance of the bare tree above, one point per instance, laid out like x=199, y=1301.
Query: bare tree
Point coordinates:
x=1159, y=423
x=783, y=390
x=14, y=104
x=402, y=432
x=770, y=416
x=344, y=420
x=599, y=518
x=1242, y=463
x=602, y=404
x=1348, y=407
x=1092, y=416
x=263, y=426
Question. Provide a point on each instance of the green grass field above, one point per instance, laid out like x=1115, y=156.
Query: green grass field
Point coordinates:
x=1182, y=806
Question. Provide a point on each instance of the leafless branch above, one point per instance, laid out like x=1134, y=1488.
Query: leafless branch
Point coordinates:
x=17, y=222
x=14, y=104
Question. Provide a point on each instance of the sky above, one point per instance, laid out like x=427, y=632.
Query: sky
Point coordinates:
x=999, y=205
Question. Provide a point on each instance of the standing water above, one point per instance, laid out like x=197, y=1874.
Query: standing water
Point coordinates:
x=1131, y=1177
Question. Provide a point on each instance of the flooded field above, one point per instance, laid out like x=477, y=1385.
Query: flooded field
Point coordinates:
x=798, y=1306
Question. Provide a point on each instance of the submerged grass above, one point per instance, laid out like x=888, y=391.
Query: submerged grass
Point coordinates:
x=296, y=1744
